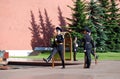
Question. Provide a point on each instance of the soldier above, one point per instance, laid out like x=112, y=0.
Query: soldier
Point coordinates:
x=75, y=47
x=57, y=47
x=93, y=52
x=88, y=45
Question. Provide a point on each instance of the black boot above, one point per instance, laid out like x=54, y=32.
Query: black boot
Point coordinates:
x=63, y=67
x=45, y=60
x=63, y=64
x=75, y=57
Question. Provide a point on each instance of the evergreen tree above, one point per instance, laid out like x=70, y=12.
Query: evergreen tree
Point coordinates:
x=78, y=20
x=96, y=24
x=105, y=8
x=92, y=19
x=114, y=28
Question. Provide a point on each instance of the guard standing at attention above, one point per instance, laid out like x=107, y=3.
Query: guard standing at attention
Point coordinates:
x=75, y=47
x=57, y=47
x=88, y=44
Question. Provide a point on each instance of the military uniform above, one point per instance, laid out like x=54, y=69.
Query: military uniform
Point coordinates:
x=57, y=47
x=75, y=47
x=88, y=45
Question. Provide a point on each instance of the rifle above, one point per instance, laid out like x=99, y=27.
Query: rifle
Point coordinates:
x=95, y=56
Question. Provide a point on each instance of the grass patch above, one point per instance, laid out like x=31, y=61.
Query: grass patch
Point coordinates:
x=80, y=56
x=109, y=56
x=102, y=56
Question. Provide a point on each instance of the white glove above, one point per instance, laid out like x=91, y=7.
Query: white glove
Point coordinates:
x=76, y=45
x=55, y=39
x=94, y=49
x=84, y=50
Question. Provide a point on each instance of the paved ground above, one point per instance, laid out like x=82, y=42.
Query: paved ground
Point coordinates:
x=103, y=70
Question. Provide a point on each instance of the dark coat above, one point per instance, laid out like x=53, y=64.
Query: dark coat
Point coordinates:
x=87, y=42
x=59, y=38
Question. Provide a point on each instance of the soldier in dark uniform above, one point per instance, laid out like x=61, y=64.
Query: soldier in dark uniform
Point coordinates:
x=57, y=47
x=93, y=52
x=75, y=47
x=88, y=45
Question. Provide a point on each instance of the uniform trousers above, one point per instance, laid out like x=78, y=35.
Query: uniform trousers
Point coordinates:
x=58, y=49
x=88, y=58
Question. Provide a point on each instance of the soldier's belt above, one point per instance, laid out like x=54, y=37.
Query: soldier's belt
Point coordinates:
x=59, y=43
x=87, y=42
